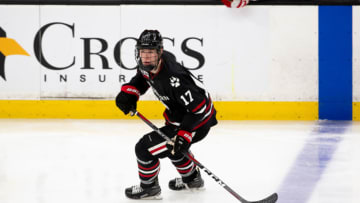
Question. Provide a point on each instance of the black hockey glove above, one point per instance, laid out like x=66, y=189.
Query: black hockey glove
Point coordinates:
x=126, y=100
x=182, y=142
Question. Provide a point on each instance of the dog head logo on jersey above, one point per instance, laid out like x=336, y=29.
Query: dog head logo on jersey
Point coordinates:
x=8, y=47
x=175, y=82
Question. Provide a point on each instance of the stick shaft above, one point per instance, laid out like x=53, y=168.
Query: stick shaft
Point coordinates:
x=189, y=156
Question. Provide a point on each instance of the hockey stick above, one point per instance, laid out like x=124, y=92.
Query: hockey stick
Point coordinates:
x=271, y=199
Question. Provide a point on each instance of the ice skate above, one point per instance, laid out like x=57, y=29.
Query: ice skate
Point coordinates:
x=139, y=192
x=196, y=184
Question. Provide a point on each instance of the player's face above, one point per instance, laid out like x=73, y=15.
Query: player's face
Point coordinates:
x=149, y=57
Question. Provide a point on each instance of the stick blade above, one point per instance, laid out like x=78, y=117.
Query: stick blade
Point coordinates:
x=271, y=199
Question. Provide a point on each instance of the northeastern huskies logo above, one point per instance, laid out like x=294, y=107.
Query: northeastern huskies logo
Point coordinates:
x=8, y=47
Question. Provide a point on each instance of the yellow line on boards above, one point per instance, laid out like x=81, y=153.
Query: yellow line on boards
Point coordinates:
x=356, y=111
x=106, y=109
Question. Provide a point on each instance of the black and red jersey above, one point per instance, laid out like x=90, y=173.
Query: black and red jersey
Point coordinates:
x=188, y=104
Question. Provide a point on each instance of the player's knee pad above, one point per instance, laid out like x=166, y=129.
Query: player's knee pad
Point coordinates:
x=141, y=150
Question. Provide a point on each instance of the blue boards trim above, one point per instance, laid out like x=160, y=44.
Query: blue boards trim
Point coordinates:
x=335, y=62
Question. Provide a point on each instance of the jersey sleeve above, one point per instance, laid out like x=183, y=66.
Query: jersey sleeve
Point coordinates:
x=137, y=85
x=195, y=99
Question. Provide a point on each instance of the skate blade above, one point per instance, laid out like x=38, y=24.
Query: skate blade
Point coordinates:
x=195, y=189
x=155, y=197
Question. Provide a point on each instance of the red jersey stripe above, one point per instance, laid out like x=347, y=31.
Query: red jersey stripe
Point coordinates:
x=157, y=149
x=199, y=106
x=204, y=121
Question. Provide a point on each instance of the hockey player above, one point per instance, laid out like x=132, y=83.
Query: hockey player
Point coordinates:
x=189, y=115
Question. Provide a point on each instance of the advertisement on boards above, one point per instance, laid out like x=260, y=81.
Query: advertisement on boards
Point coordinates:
x=55, y=52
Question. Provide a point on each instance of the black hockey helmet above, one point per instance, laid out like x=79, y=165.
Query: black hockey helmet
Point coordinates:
x=149, y=39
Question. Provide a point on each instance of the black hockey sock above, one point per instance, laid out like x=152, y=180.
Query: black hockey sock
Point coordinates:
x=143, y=185
x=148, y=172
x=186, y=168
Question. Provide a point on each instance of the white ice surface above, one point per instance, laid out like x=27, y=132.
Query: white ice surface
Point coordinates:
x=93, y=161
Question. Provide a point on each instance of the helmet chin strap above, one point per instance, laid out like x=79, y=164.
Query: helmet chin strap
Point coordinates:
x=149, y=68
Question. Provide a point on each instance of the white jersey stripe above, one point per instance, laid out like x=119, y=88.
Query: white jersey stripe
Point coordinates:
x=208, y=113
x=160, y=151
x=202, y=110
x=157, y=146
